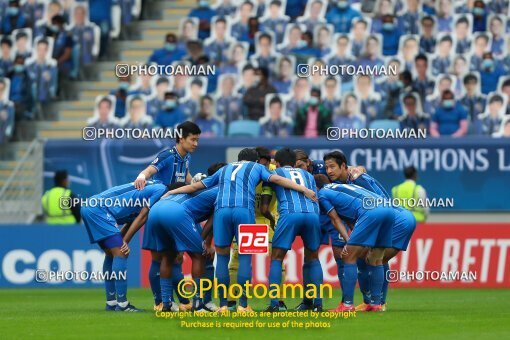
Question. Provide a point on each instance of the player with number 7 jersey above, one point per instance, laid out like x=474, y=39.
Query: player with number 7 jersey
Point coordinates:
x=235, y=205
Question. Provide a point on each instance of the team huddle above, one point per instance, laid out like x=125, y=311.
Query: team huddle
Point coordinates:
x=323, y=202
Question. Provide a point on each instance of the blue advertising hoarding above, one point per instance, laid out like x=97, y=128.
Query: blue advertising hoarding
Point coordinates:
x=41, y=255
x=473, y=172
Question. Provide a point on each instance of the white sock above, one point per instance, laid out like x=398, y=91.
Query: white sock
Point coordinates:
x=111, y=303
x=123, y=304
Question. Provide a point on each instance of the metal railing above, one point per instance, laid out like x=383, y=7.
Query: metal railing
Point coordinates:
x=20, y=197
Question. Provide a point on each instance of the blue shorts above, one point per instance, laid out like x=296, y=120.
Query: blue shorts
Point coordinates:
x=403, y=228
x=290, y=225
x=99, y=223
x=328, y=232
x=373, y=228
x=173, y=228
x=111, y=242
x=226, y=224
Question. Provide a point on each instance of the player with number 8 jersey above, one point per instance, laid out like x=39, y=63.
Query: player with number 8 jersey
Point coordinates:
x=234, y=206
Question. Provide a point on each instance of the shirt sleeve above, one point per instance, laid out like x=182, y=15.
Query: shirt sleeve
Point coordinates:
x=212, y=180
x=324, y=202
x=161, y=163
x=423, y=196
x=264, y=173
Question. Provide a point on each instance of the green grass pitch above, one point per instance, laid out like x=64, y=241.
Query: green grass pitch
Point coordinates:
x=412, y=313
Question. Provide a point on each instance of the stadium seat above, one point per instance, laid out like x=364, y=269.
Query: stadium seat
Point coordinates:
x=385, y=124
x=244, y=128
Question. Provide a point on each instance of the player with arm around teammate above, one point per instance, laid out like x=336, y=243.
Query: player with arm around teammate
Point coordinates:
x=372, y=229
x=298, y=216
x=234, y=206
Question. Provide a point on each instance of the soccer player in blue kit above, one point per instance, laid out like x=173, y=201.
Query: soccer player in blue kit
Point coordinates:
x=235, y=205
x=298, y=216
x=170, y=166
x=403, y=228
x=174, y=221
x=372, y=228
x=116, y=206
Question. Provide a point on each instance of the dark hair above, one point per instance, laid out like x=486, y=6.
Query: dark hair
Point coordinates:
x=263, y=152
x=321, y=180
x=58, y=19
x=285, y=157
x=410, y=172
x=462, y=20
x=197, y=81
x=496, y=98
x=406, y=75
x=248, y=67
x=505, y=83
x=248, y=154
x=409, y=96
x=175, y=185
x=105, y=100
x=276, y=2
x=337, y=156
x=421, y=57
x=21, y=34
x=265, y=35
x=220, y=20
x=215, y=167
x=275, y=100
x=135, y=98
x=6, y=41
x=170, y=93
x=264, y=71
x=162, y=80
x=470, y=77
x=43, y=41
x=316, y=91
x=446, y=38
x=60, y=177
x=187, y=128
x=483, y=36
x=428, y=18
x=301, y=154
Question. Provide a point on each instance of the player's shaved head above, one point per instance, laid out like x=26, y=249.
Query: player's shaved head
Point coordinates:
x=248, y=154
x=215, y=167
x=285, y=157
x=321, y=180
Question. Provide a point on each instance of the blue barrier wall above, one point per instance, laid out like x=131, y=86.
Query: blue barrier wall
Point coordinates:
x=29, y=252
x=474, y=172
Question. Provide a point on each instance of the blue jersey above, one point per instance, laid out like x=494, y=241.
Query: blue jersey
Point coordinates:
x=291, y=201
x=237, y=182
x=347, y=199
x=200, y=204
x=171, y=166
x=127, y=201
x=371, y=184
x=318, y=167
